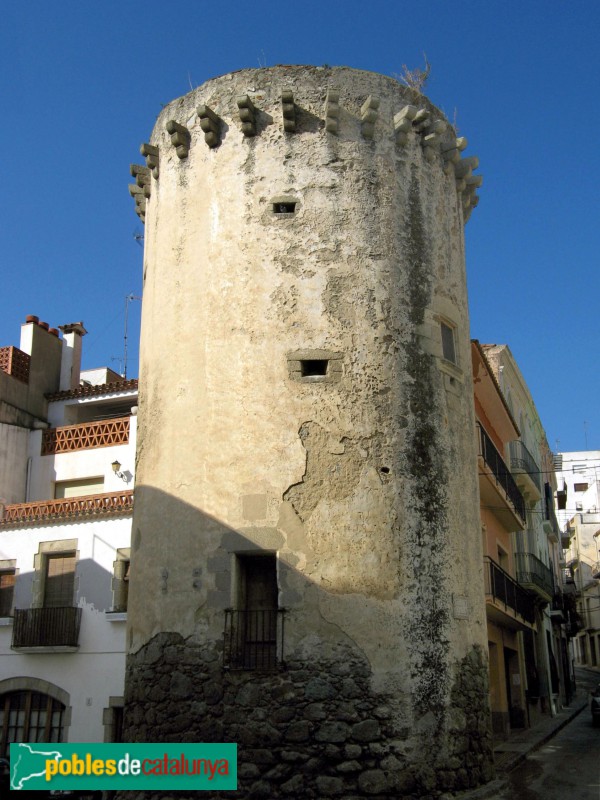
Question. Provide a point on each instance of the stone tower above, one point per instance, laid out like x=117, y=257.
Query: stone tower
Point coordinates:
x=307, y=565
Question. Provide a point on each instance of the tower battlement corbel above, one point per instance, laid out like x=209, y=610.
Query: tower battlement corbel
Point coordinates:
x=420, y=124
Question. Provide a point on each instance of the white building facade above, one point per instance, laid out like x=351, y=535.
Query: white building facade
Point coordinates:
x=578, y=475
x=67, y=460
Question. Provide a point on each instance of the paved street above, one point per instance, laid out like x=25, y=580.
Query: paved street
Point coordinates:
x=567, y=767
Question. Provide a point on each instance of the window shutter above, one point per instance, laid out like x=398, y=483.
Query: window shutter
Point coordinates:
x=60, y=580
x=7, y=585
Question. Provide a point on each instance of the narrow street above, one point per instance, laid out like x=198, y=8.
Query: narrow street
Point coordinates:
x=568, y=766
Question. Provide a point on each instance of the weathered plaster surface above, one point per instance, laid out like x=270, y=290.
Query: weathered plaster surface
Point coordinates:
x=365, y=485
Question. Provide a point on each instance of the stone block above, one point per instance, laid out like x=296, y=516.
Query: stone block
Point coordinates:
x=333, y=732
x=328, y=786
x=366, y=731
x=298, y=732
x=246, y=770
x=293, y=756
x=352, y=751
x=260, y=789
x=283, y=714
x=315, y=712
x=181, y=686
x=373, y=781
x=319, y=689
x=294, y=787
x=349, y=766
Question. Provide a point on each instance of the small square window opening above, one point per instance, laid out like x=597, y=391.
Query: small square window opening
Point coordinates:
x=314, y=368
x=284, y=208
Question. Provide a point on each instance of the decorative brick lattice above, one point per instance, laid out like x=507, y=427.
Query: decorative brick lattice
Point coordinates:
x=92, y=504
x=15, y=362
x=84, y=437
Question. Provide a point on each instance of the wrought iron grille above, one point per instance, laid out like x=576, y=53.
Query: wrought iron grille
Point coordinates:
x=533, y=572
x=495, y=462
x=521, y=459
x=500, y=586
x=46, y=627
x=253, y=640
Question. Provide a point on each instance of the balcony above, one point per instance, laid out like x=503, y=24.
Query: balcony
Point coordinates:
x=534, y=576
x=497, y=487
x=44, y=511
x=550, y=522
x=49, y=629
x=525, y=470
x=15, y=362
x=253, y=640
x=557, y=609
x=69, y=438
x=506, y=601
x=565, y=536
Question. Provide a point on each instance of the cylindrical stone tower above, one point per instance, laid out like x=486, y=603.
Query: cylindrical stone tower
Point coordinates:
x=306, y=556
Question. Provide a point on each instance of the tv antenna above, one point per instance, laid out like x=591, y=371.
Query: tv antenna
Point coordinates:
x=128, y=299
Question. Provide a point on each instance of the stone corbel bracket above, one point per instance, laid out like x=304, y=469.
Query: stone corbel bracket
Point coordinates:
x=463, y=169
x=140, y=200
x=332, y=111
x=470, y=198
x=288, y=109
x=467, y=183
x=403, y=124
x=421, y=120
x=432, y=138
x=141, y=189
x=142, y=178
x=368, y=116
x=150, y=153
x=247, y=113
x=180, y=138
x=210, y=124
x=451, y=155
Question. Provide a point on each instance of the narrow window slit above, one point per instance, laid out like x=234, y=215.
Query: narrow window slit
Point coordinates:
x=314, y=367
x=284, y=208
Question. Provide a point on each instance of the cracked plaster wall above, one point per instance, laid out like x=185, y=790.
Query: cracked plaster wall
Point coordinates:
x=364, y=487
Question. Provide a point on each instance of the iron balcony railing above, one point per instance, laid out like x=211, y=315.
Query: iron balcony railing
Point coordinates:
x=549, y=513
x=493, y=459
x=46, y=627
x=522, y=460
x=533, y=572
x=501, y=587
x=253, y=640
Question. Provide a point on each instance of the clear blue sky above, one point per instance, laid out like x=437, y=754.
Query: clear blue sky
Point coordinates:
x=82, y=83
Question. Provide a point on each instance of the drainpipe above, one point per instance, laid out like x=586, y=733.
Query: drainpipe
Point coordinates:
x=28, y=480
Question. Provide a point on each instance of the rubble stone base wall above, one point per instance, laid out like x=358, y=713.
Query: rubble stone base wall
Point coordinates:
x=311, y=730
